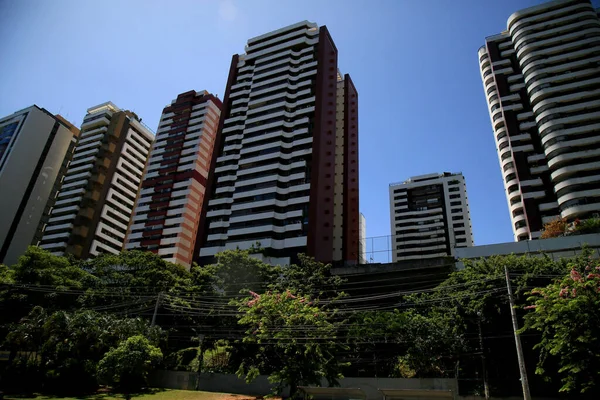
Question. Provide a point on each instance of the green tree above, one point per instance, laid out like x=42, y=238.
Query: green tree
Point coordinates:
x=39, y=279
x=307, y=278
x=566, y=314
x=63, y=349
x=476, y=297
x=290, y=338
x=126, y=367
x=238, y=270
x=406, y=344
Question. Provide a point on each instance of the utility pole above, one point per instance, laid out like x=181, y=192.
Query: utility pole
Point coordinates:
x=201, y=349
x=522, y=370
x=486, y=388
x=156, y=309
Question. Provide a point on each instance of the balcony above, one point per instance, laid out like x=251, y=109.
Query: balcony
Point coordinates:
x=95, y=123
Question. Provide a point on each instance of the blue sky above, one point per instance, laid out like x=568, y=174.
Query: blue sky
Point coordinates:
x=421, y=103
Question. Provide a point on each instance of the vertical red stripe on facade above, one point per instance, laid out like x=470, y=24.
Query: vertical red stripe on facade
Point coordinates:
x=351, y=209
x=320, y=213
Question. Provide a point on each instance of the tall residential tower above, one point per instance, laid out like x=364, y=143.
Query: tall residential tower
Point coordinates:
x=286, y=157
x=167, y=214
x=542, y=84
x=35, y=149
x=429, y=216
x=93, y=209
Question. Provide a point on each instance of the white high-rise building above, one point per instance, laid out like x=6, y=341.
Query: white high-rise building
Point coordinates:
x=542, y=84
x=35, y=149
x=429, y=216
x=93, y=209
x=286, y=167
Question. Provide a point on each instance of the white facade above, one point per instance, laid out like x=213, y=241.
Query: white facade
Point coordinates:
x=92, y=179
x=35, y=147
x=429, y=217
x=542, y=84
x=263, y=182
x=362, y=244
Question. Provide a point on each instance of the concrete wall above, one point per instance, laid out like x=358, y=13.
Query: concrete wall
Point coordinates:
x=228, y=383
x=555, y=248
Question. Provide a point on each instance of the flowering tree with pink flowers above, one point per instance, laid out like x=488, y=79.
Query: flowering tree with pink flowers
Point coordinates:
x=567, y=315
x=291, y=338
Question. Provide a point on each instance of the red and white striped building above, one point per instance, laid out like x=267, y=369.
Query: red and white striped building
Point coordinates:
x=168, y=209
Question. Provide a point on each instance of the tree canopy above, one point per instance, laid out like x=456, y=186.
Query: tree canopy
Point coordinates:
x=297, y=324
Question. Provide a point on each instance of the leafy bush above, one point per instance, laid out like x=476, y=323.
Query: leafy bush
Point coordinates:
x=554, y=228
x=126, y=367
x=64, y=349
x=566, y=315
x=590, y=225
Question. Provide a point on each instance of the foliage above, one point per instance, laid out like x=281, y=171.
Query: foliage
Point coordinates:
x=307, y=278
x=217, y=358
x=554, y=228
x=133, y=276
x=433, y=346
x=126, y=367
x=238, y=270
x=590, y=225
x=38, y=279
x=6, y=275
x=293, y=338
x=407, y=344
x=66, y=347
x=473, y=291
x=566, y=313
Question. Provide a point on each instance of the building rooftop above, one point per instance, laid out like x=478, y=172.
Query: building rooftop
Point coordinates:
x=108, y=105
x=427, y=177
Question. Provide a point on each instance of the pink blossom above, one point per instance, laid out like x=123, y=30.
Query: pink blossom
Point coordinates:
x=563, y=292
x=598, y=268
x=587, y=268
x=255, y=295
x=574, y=292
x=576, y=276
x=530, y=307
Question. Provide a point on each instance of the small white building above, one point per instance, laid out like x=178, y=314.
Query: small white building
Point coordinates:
x=429, y=216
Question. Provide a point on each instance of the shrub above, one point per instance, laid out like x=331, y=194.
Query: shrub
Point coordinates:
x=126, y=367
x=590, y=225
x=554, y=228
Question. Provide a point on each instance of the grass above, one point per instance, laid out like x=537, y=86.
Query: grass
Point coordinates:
x=166, y=394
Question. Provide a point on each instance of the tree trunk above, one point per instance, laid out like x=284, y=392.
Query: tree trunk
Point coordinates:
x=200, y=364
x=293, y=390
